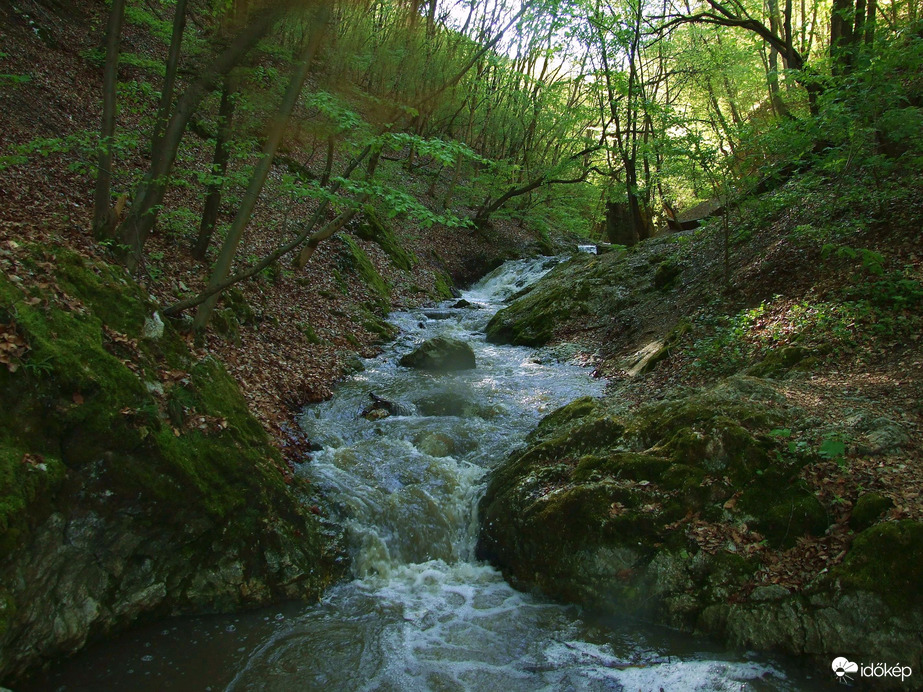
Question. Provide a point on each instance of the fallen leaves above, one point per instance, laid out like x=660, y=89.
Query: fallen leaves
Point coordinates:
x=12, y=347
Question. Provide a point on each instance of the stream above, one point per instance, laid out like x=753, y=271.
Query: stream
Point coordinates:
x=421, y=613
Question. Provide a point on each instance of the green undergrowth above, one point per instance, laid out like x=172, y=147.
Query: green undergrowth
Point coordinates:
x=780, y=335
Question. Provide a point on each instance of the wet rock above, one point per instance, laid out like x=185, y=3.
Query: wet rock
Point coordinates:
x=454, y=403
x=111, y=510
x=382, y=408
x=434, y=444
x=437, y=314
x=441, y=354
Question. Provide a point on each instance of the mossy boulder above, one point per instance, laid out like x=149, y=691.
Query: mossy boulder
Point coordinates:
x=440, y=354
x=133, y=479
x=603, y=505
x=596, y=482
x=782, y=510
x=780, y=361
x=868, y=510
x=887, y=560
x=533, y=317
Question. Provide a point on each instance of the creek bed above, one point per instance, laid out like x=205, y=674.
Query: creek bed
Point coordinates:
x=421, y=613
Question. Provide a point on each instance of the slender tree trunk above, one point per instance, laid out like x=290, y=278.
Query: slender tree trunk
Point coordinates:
x=219, y=168
x=136, y=228
x=842, y=17
x=307, y=252
x=169, y=79
x=313, y=240
x=328, y=162
x=258, y=179
x=103, y=221
x=870, y=22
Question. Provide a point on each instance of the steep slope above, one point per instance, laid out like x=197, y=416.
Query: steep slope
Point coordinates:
x=755, y=471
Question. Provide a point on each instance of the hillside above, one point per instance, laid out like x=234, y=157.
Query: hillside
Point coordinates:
x=754, y=471
x=147, y=472
x=209, y=209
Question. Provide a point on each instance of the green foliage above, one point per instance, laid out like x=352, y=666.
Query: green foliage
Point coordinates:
x=832, y=448
x=15, y=79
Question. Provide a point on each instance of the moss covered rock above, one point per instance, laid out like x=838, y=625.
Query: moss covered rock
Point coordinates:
x=440, y=354
x=133, y=479
x=868, y=509
x=602, y=507
x=532, y=318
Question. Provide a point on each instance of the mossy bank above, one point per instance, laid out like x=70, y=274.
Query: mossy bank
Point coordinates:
x=679, y=509
x=133, y=480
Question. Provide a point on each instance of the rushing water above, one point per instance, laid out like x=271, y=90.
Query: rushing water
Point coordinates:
x=421, y=613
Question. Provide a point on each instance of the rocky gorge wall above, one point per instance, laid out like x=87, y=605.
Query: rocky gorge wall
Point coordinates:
x=134, y=482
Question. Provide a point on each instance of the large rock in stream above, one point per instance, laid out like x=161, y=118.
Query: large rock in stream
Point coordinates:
x=440, y=354
x=669, y=512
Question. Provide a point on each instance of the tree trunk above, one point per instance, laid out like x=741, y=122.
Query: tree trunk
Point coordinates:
x=328, y=162
x=258, y=179
x=136, y=228
x=169, y=79
x=842, y=17
x=103, y=219
x=219, y=168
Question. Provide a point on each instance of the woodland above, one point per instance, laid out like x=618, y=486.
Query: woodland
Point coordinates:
x=209, y=207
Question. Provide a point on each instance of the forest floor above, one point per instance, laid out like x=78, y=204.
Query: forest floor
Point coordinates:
x=299, y=330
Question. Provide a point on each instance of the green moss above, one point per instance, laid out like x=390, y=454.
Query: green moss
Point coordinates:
x=80, y=399
x=579, y=408
x=371, y=322
x=531, y=320
x=360, y=263
x=666, y=275
x=682, y=477
x=783, y=511
x=443, y=286
x=581, y=516
x=566, y=292
x=309, y=333
x=373, y=228
x=235, y=301
x=28, y=482
x=626, y=465
x=780, y=360
x=867, y=510
x=887, y=559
